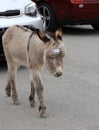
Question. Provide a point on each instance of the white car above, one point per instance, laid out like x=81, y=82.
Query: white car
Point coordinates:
x=18, y=12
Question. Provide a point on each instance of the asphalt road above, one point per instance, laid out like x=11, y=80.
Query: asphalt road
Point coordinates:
x=72, y=101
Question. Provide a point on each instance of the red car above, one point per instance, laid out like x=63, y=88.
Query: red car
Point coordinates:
x=69, y=12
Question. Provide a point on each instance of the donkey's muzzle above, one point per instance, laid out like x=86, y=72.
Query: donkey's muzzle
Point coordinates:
x=58, y=74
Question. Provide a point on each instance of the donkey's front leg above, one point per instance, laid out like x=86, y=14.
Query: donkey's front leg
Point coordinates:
x=32, y=95
x=39, y=89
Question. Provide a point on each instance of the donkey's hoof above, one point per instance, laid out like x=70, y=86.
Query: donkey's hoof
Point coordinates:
x=43, y=115
x=8, y=94
x=42, y=110
x=32, y=103
x=16, y=102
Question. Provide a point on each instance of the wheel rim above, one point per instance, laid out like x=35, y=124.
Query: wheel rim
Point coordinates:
x=45, y=15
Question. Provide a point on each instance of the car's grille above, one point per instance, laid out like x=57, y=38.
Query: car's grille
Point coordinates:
x=9, y=13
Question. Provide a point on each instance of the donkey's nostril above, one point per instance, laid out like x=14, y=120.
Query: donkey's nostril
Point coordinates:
x=58, y=74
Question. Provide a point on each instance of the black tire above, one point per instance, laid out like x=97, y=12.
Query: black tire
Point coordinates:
x=95, y=26
x=48, y=17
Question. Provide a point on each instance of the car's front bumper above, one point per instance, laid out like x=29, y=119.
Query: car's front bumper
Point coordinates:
x=24, y=20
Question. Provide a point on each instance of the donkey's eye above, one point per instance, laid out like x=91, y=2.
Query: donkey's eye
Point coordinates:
x=51, y=59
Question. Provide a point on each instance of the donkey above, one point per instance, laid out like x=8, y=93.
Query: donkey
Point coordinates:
x=32, y=49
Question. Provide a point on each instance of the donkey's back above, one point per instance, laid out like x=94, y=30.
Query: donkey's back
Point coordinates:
x=15, y=43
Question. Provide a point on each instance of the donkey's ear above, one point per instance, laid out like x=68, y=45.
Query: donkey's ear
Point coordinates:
x=58, y=34
x=42, y=36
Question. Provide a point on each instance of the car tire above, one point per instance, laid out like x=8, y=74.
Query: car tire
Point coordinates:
x=48, y=17
x=95, y=26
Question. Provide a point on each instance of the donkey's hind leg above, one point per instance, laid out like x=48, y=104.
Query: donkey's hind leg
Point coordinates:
x=12, y=67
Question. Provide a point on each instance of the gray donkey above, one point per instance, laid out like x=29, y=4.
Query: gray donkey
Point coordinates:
x=33, y=49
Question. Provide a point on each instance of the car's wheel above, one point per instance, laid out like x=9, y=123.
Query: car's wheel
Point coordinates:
x=95, y=26
x=48, y=17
